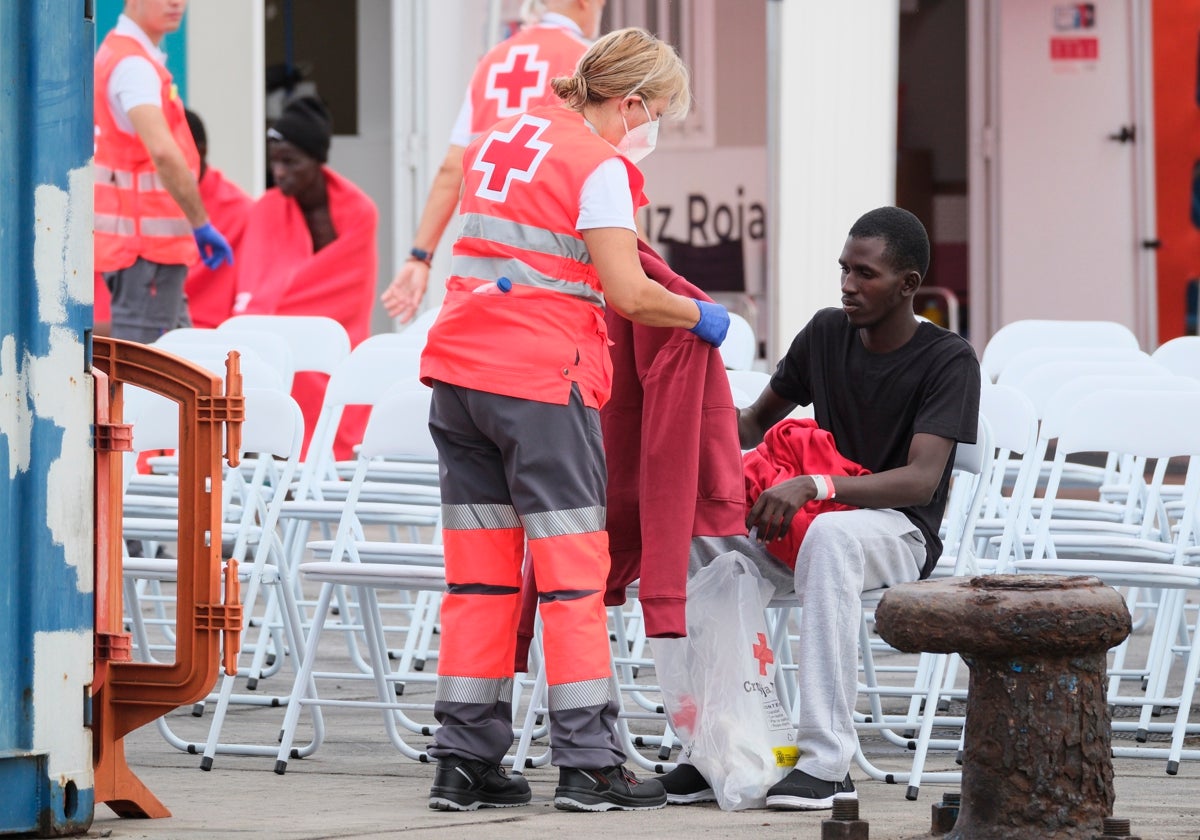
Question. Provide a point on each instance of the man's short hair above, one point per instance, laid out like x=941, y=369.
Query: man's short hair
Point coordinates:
x=907, y=246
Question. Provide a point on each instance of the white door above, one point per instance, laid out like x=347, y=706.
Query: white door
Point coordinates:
x=1063, y=143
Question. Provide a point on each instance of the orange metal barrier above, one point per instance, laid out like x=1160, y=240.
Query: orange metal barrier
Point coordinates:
x=127, y=694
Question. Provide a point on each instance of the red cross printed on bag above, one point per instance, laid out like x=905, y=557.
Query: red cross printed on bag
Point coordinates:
x=763, y=654
x=516, y=81
x=510, y=156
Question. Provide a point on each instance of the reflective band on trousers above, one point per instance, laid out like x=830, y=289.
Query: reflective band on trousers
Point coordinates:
x=521, y=273
x=474, y=690
x=580, y=695
x=525, y=237
x=479, y=517
x=560, y=523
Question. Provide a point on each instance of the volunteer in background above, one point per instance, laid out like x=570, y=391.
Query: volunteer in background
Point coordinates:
x=149, y=217
x=511, y=78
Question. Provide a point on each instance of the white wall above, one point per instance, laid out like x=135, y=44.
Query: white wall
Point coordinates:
x=837, y=143
x=226, y=87
x=436, y=45
x=366, y=158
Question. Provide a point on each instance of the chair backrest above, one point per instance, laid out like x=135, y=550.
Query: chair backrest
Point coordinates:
x=362, y=378
x=399, y=426
x=740, y=347
x=972, y=465
x=1061, y=403
x=747, y=385
x=1027, y=361
x=273, y=424
x=1013, y=421
x=1041, y=383
x=256, y=373
x=1180, y=355
x=1151, y=425
x=1013, y=338
x=272, y=349
x=318, y=343
x=366, y=374
x=424, y=321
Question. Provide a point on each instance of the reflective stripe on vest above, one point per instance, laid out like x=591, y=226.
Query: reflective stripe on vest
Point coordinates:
x=119, y=178
x=526, y=238
x=165, y=227
x=116, y=225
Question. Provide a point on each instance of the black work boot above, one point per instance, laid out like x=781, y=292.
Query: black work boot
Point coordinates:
x=607, y=789
x=465, y=784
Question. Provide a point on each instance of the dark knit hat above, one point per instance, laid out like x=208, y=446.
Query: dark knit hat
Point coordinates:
x=307, y=125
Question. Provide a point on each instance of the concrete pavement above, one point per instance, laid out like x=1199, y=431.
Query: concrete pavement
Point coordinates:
x=357, y=785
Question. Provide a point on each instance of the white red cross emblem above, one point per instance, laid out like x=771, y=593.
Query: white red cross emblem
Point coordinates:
x=508, y=156
x=517, y=80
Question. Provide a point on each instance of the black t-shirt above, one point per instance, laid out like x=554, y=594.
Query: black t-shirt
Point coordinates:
x=873, y=403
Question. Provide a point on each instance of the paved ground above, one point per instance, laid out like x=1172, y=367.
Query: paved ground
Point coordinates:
x=358, y=786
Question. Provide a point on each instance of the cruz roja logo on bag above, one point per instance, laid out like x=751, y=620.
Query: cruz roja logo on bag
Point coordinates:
x=763, y=654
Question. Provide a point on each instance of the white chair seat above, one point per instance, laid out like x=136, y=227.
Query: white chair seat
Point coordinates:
x=376, y=575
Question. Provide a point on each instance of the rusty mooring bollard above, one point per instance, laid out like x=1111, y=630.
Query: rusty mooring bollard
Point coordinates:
x=945, y=813
x=1037, y=760
x=843, y=823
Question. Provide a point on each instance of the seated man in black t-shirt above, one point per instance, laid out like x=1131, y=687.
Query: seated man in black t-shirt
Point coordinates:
x=897, y=395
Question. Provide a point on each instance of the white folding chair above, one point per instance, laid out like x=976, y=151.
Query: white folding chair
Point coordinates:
x=318, y=344
x=1018, y=336
x=1180, y=355
x=740, y=348
x=397, y=427
x=747, y=384
x=272, y=432
x=272, y=349
x=1154, y=426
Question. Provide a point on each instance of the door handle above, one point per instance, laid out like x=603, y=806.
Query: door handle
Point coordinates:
x=1127, y=134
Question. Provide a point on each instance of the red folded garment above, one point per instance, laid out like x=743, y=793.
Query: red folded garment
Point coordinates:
x=789, y=449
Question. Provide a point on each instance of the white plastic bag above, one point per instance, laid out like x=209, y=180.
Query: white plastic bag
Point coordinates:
x=718, y=685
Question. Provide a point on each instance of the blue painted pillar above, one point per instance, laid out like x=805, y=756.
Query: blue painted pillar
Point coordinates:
x=46, y=473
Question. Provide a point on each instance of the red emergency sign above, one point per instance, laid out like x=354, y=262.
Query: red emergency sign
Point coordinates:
x=1074, y=49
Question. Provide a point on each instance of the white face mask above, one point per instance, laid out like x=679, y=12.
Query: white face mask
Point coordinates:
x=640, y=140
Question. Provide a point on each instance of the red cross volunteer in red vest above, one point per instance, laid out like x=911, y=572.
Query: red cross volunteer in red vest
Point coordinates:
x=519, y=364
x=511, y=78
x=149, y=217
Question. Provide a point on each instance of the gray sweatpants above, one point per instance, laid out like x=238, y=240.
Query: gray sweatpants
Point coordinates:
x=843, y=555
x=147, y=300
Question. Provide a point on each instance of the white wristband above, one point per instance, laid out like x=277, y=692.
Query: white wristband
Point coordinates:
x=822, y=487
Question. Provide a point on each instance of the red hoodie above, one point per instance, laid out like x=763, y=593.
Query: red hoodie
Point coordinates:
x=674, y=461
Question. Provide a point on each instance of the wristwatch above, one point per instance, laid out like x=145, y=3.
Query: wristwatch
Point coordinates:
x=421, y=254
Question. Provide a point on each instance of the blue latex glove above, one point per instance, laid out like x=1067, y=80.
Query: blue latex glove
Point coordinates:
x=214, y=250
x=714, y=322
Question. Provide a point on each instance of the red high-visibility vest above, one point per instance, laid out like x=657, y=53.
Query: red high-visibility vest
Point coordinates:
x=514, y=76
x=519, y=208
x=135, y=216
